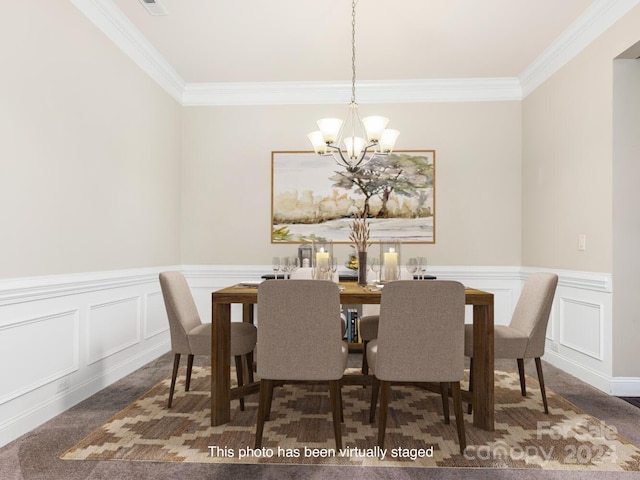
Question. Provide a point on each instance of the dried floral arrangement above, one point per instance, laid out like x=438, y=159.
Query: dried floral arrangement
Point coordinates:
x=359, y=233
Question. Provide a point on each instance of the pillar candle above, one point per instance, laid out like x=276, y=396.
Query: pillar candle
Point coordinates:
x=391, y=265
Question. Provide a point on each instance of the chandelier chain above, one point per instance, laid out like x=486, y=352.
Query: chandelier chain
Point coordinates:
x=353, y=51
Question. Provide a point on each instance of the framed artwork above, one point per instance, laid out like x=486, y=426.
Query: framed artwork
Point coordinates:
x=312, y=197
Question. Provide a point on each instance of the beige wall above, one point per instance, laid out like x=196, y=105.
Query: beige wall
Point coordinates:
x=567, y=158
x=89, y=157
x=226, y=178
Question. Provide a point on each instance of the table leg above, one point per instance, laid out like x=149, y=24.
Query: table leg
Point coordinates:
x=247, y=312
x=483, y=367
x=220, y=364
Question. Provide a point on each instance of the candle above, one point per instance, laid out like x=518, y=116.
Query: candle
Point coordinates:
x=391, y=265
x=322, y=263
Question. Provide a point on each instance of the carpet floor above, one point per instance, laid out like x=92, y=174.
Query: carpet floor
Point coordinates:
x=36, y=455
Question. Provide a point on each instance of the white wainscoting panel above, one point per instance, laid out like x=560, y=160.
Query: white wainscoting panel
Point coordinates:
x=24, y=341
x=65, y=337
x=582, y=327
x=113, y=326
x=155, y=315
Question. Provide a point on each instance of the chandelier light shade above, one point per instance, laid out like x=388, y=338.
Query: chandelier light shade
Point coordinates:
x=354, y=141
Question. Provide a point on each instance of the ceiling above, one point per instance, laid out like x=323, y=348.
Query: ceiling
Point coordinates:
x=298, y=52
x=219, y=41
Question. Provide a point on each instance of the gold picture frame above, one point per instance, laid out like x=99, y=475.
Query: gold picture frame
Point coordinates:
x=312, y=197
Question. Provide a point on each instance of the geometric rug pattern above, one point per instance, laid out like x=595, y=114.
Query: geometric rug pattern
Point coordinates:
x=300, y=431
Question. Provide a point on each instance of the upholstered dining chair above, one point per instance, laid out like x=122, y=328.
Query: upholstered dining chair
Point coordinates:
x=524, y=337
x=369, y=324
x=299, y=340
x=191, y=337
x=420, y=339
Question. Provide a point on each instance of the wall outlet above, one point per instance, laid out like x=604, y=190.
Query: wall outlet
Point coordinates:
x=63, y=384
x=582, y=242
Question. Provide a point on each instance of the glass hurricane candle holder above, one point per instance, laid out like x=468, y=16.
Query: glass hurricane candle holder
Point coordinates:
x=321, y=259
x=389, y=260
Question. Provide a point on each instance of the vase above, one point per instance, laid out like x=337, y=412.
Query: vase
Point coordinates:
x=362, y=269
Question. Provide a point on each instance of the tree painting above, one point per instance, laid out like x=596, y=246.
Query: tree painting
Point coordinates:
x=313, y=197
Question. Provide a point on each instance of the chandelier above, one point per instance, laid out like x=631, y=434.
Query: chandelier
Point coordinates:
x=354, y=141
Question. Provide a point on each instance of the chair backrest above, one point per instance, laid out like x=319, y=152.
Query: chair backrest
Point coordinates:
x=421, y=331
x=531, y=314
x=181, y=309
x=299, y=330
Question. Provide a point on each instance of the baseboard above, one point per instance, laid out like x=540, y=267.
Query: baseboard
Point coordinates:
x=588, y=375
x=625, y=386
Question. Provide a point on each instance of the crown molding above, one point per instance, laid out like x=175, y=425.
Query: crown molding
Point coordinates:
x=589, y=26
x=385, y=91
x=109, y=18
x=114, y=24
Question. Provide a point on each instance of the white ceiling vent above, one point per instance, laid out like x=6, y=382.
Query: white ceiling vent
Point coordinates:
x=154, y=7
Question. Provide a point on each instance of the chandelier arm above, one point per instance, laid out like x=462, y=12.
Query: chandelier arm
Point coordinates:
x=343, y=162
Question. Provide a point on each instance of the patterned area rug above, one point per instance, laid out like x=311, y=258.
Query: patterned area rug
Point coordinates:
x=300, y=431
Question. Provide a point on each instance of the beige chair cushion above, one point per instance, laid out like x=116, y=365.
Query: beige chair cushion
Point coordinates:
x=509, y=342
x=243, y=338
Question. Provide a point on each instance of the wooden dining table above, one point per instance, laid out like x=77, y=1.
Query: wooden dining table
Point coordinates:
x=482, y=394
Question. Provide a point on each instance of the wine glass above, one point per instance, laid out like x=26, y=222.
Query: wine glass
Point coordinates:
x=333, y=266
x=275, y=264
x=422, y=267
x=294, y=264
x=374, y=266
x=412, y=266
x=286, y=266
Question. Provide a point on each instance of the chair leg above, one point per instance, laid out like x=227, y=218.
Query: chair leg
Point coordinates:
x=365, y=364
x=375, y=388
x=239, y=367
x=250, y=366
x=174, y=375
x=444, y=393
x=187, y=384
x=272, y=384
x=523, y=383
x=541, y=381
x=457, y=408
x=470, y=405
x=336, y=408
x=341, y=404
x=385, y=390
x=266, y=387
